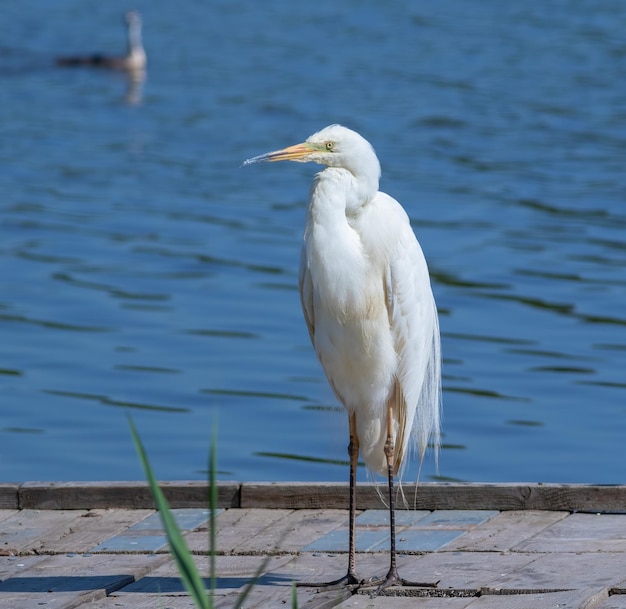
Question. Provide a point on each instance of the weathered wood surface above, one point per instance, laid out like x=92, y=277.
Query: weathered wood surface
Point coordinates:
x=442, y=496
x=482, y=558
x=296, y=495
x=9, y=496
x=130, y=495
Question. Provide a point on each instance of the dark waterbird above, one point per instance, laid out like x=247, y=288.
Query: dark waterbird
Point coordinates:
x=134, y=60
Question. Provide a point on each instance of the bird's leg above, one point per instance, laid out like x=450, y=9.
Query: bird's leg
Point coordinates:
x=353, y=452
x=392, y=578
x=350, y=579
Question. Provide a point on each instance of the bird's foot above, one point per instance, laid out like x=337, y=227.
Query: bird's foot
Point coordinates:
x=393, y=579
x=349, y=581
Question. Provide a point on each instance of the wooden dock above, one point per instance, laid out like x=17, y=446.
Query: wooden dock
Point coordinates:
x=506, y=546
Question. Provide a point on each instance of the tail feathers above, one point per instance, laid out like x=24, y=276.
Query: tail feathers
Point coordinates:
x=373, y=435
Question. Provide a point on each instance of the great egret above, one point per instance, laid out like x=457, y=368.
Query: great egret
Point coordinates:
x=370, y=311
x=134, y=60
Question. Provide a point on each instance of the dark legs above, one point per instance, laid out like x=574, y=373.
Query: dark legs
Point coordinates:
x=392, y=578
x=350, y=578
x=353, y=452
x=392, y=575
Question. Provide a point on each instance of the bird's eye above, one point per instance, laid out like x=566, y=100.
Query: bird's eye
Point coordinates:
x=330, y=146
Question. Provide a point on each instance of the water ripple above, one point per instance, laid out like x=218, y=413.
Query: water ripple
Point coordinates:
x=142, y=267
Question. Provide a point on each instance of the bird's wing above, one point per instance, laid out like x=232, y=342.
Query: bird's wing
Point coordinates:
x=306, y=293
x=415, y=327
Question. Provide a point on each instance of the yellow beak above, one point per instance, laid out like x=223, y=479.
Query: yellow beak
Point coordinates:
x=291, y=153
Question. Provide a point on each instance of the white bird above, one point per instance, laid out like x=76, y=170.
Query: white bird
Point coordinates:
x=368, y=305
x=134, y=60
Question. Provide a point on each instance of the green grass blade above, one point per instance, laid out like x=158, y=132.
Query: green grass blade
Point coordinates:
x=178, y=547
x=294, y=596
x=213, y=499
x=241, y=599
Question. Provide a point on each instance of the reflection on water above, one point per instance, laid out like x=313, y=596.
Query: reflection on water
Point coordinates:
x=142, y=269
x=134, y=89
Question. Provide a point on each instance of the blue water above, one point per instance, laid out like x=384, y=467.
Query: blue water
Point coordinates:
x=143, y=271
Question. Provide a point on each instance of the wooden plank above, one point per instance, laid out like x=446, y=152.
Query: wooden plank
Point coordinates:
x=362, y=601
x=233, y=574
x=297, y=495
x=130, y=495
x=463, y=570
x=12, y=566
x=236, y=528
x=437, y=496
x=265, y=597
x=566, y=570
x=378, y=541
x=616, y=601
x=566, y=599
x=428, y=496
x=9, y=495
x=255, y=525
x=187, y=519
x=319, y=567
x=580, y=533
x=381, y=517
x=67, y=582
x=198, y=540
x=577, y=497
x=4, y=514
x=324, y=567
x=279, y=598
x=141, y=601
x=75, y=580
x=407, y=540
x=29, y=531
x=94, y=527
x=419, y=531
x=444, y=519
x=296, y=529
x=147, y=535
x=49, y=600
x=516, y=557
x=506, y=530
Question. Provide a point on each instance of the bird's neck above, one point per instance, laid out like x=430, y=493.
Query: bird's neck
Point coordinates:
x=135, y=44
x=136, y=58
x=332, y=246
x=341, y=191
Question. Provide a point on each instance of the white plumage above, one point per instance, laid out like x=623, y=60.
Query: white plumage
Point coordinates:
x=368, y=304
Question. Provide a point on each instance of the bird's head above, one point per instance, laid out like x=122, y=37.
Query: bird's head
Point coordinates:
x=133, y=18
x=334, y=146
